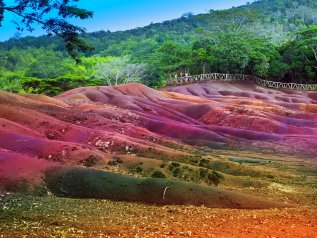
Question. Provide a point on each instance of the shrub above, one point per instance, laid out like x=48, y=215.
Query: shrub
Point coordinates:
x=158, y=174
x=55, y=86
x=115, y=161
x=203, y=163
x=215, y=177
x=136, y=170
x=173, y=166
x=90, y=161
x=213, y=165
x=203, y=173
x=10, y=82
x=176, y=172
x=193, y=160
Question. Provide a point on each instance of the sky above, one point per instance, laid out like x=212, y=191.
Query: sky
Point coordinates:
x=117, y=15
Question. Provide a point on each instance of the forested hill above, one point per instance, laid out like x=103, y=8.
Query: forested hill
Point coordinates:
x=276, y=18
x=264, y=40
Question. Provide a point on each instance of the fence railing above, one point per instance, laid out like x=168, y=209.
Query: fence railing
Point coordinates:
x=218, y=76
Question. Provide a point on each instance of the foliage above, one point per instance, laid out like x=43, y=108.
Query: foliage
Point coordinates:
x=46, y=71
x=120, y=71
x=115, y=161
x=55, y=86
x=90, y=161
x=52, y=16
x=158, y=174
x=136, y=169
x=10, y=81
x=301, y=55
x=215, y=177
x=173, y=165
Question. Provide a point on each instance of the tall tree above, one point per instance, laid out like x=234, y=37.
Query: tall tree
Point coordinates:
x=174, y=57
x=230, y=53
x=307, y=43
x=234, y=19
x=301, y=55
x=52, y=16
x=120, y=71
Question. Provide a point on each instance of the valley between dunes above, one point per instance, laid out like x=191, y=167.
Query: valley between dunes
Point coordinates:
x=215, y=159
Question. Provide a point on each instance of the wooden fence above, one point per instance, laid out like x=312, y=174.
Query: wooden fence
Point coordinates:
x=217, y=76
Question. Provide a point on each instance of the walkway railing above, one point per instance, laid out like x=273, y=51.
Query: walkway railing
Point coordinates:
x=217, y=76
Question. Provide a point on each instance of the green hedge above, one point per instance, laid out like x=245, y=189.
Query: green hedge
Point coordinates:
x=53, y=87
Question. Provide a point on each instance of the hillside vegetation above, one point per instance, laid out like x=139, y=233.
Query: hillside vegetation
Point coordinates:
x=271, y=39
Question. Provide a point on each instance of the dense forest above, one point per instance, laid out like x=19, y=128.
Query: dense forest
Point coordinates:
x=272, y=39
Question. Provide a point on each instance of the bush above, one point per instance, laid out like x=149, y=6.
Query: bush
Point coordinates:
x=158, y=174
x=173, y=166
x=192, y=160
x=53, y=87
x=176, y=172
x=115, y=161
x=90, y=161
x=203, y=173
x=215, y=178
x=136, y=170
x=10, y=82
x=213, y=165
x=203, y=163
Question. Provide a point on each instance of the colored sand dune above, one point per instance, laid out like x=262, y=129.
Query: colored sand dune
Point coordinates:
x=215, y=113
x=51, y=142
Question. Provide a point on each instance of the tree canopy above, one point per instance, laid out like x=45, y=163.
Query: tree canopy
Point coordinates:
x=53, y=17
x=120, y=71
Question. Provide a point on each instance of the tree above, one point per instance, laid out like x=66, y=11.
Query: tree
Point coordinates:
x=234, y=19
x=120, y=71
x=51, y=16
x=201, y=54
x=200, y=58
x=265, y=60
x=307, y=43
x=301, y=55
x=174, y=57
x=230, y=53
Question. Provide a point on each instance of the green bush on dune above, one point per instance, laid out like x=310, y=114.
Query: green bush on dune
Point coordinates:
x=158, y=174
